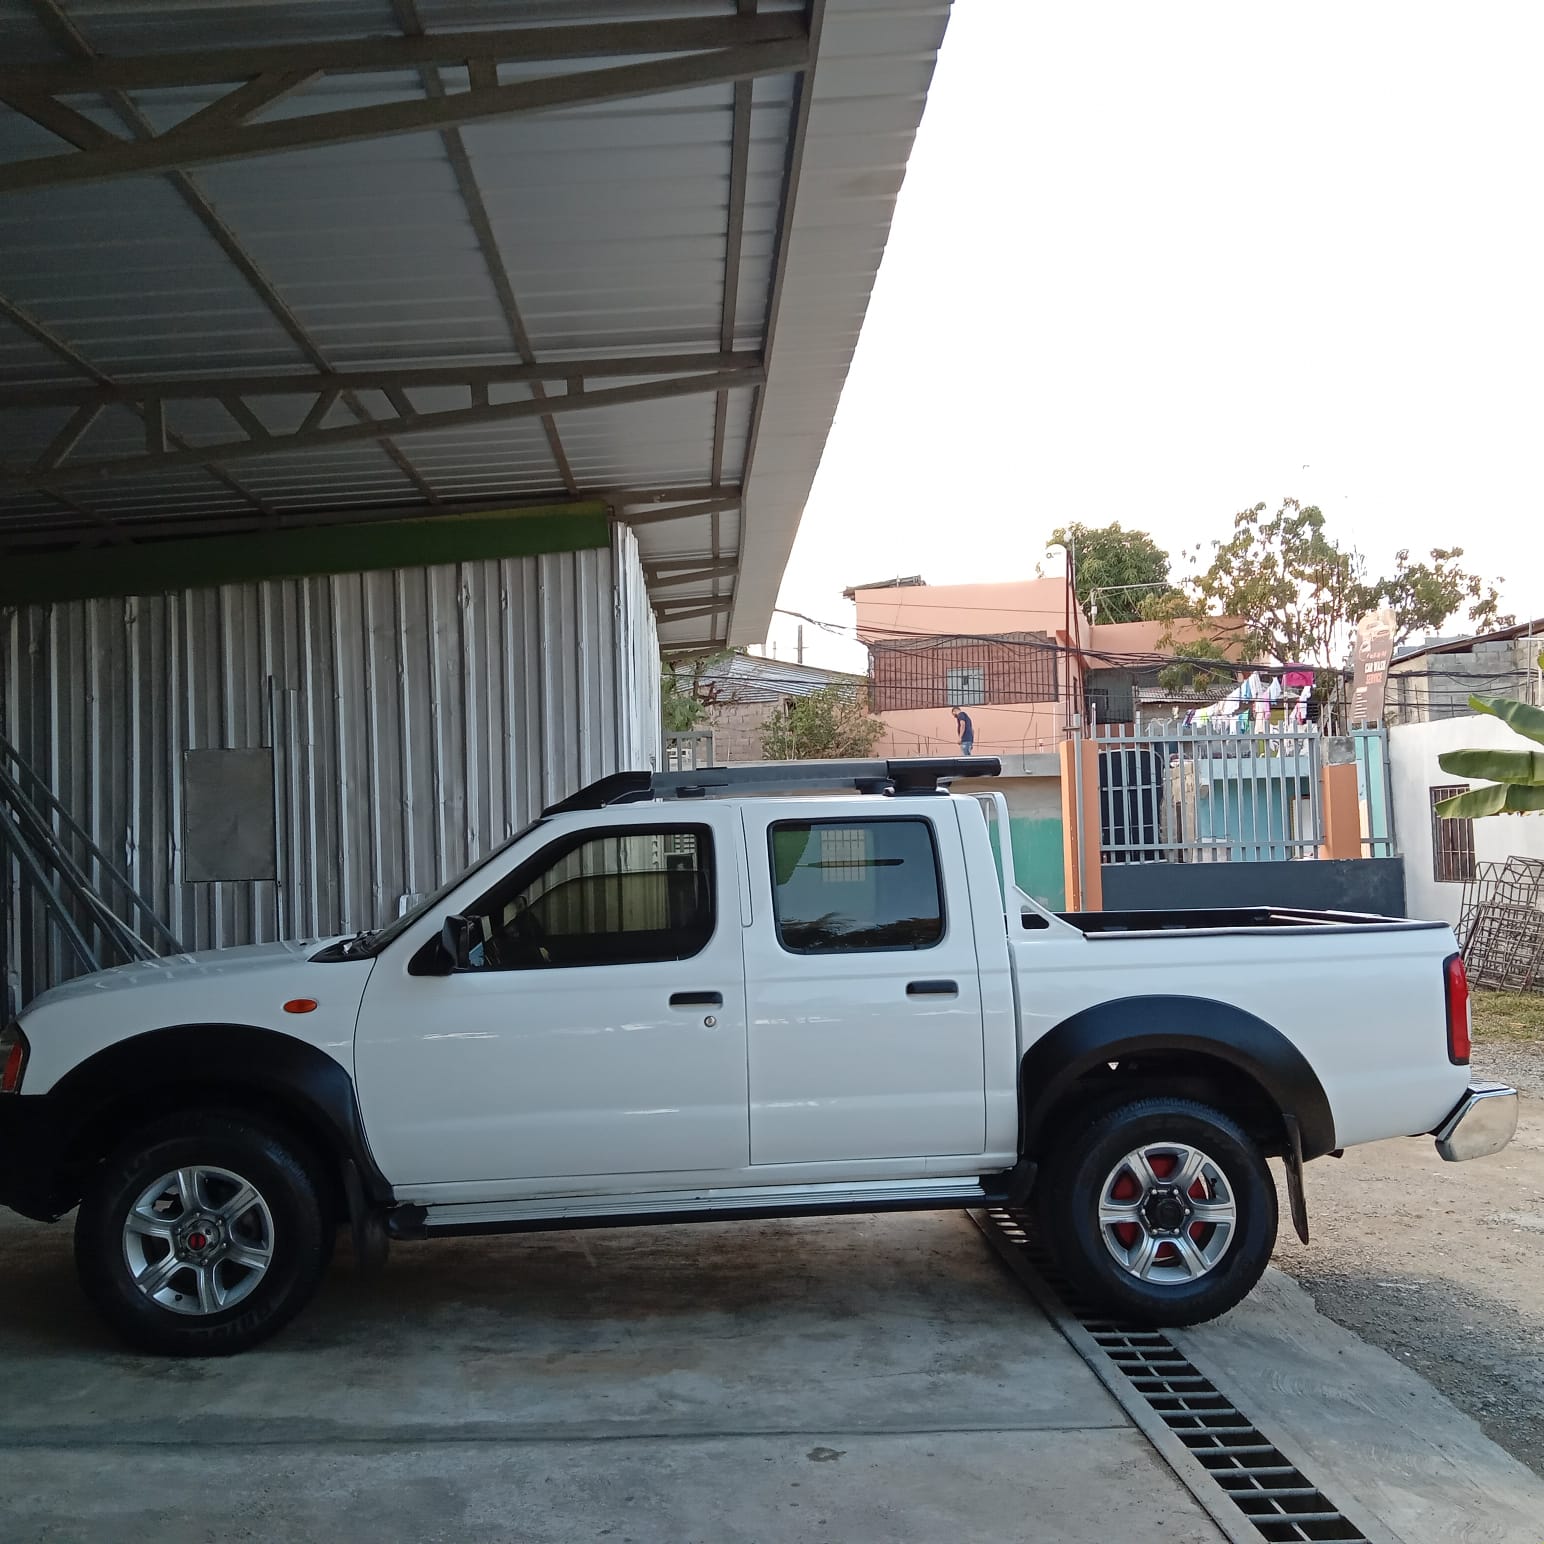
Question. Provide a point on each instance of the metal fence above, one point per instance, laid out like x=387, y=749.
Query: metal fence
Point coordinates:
x=1205, y=796
x=1208, y=795
x=961, y=672
x=689, y=750
x=1375, y=791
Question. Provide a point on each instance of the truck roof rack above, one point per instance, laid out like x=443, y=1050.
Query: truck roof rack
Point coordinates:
x=906, y=776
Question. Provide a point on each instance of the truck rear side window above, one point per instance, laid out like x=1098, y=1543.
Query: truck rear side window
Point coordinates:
x=842, y=886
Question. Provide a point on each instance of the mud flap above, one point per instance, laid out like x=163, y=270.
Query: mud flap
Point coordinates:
x=1292, y=1161
x=366, y=1224
x=1021, y=1180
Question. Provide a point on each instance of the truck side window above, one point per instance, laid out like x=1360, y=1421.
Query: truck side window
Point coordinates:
x=624, y=896
x=840, y=886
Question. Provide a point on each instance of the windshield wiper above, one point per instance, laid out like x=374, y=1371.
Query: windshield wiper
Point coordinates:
x=359, y=940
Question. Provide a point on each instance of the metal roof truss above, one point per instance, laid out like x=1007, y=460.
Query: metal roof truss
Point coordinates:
x=291, y=426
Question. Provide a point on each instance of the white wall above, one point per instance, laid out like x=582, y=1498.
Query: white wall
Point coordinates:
x=1413, y=752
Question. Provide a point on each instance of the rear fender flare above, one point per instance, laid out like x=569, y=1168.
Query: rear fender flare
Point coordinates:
x=1195, y=1026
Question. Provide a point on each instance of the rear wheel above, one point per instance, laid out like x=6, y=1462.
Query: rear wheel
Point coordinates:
x=202, y=1235
x=1160, y=1210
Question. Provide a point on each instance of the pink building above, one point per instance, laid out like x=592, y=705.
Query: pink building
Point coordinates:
x=1005, y=653
x=1019, y=657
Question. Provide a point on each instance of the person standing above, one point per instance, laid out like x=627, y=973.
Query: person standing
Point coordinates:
x=966, y=731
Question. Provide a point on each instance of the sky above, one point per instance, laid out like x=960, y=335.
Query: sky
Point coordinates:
x=1156, y=264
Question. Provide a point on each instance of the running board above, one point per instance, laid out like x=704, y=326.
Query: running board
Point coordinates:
x=747, y=1203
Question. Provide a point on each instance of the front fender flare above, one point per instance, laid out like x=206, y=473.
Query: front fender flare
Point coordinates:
x=292, y=1074
x=1197, y=1026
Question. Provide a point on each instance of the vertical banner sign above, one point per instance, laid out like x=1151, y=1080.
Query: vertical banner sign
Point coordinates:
x=1370, y=656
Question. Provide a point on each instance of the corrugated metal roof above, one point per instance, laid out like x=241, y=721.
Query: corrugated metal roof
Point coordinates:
x=756, y=678
x=604, y=230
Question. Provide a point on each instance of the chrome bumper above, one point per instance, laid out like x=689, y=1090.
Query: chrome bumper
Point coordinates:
x=1482, y=1123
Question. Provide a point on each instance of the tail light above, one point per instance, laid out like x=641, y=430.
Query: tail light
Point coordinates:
x=13, y=1058
x=1456, y=987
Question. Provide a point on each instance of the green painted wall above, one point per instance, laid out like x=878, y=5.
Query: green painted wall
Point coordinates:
x=1037, y=859
x=149, y=568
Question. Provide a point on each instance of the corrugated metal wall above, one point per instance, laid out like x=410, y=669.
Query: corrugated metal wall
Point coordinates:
x=414, y=716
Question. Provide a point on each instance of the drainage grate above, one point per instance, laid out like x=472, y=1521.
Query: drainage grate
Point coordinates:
x=1280, y=1503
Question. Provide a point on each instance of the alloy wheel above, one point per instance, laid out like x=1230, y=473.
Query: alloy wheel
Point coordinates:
x=1167, y=1214
x=199, y=1240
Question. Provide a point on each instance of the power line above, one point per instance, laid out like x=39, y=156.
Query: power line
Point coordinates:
x=1114, y=658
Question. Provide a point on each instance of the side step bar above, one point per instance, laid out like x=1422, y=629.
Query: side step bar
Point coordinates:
x=549, y=1213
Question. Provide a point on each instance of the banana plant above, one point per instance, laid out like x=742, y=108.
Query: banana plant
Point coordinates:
x=1518, y=776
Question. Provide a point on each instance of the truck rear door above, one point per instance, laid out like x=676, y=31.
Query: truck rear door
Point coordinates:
x=863, y=997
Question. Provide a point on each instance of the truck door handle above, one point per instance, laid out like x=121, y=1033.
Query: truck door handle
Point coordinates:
x=696, y=999
x=933, y=989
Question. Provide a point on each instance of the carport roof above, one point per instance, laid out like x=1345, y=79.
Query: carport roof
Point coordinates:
x=267, y=265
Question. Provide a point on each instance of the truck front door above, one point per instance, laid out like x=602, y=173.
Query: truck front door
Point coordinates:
x=862, y=990
x=598, y=1027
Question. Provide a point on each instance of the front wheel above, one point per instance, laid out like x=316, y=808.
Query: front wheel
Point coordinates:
x=1161, y=1210
x=202, y=1235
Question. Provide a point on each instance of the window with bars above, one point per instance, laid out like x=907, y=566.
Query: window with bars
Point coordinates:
x=965, y=686
x=844, y=854
x=1452, y=841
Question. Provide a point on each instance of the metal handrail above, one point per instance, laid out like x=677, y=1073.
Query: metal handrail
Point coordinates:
x=53, y=902
x=76, y=829
x=46, y=847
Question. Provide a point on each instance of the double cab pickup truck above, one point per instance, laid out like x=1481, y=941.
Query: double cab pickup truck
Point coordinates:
x=747, y=992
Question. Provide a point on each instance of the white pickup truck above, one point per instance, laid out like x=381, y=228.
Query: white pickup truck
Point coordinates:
x=749, y=992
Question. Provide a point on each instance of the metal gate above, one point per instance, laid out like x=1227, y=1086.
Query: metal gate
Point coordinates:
x=1375, y=790
x=1205, y=796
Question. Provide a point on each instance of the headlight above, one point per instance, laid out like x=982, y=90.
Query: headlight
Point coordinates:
x=13, y=1058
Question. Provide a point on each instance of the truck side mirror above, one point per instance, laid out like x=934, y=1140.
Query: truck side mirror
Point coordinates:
x=458, y=937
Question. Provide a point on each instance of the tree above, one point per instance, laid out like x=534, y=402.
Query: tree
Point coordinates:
x=1424, y=595
x=1298, y=592
x=1518, y=785
x=1191, y=673
x=832, y=722
x=684, y=694
x=1115, y=569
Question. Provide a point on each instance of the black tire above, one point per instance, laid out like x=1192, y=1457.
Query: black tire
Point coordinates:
x=290, y=1227
x=1073, y=1181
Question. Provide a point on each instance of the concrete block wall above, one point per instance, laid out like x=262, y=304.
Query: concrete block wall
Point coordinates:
x=737, y=730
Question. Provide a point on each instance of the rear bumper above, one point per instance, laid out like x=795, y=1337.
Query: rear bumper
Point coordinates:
x=1481, y=1123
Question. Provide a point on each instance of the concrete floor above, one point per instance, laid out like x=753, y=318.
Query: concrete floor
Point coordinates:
x=1380, y=1441
x=871, y=1378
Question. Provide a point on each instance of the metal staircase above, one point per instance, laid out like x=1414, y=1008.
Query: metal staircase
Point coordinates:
x=45, y=851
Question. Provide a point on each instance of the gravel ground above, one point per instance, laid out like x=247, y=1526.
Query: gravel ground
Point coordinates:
x=1442, y=1264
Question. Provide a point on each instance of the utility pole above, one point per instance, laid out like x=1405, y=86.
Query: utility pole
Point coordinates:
x=800, y=645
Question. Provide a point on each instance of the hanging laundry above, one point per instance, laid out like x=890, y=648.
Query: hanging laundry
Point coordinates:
x=1222, y=716
x=1273, y=691
x=1295, y=676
